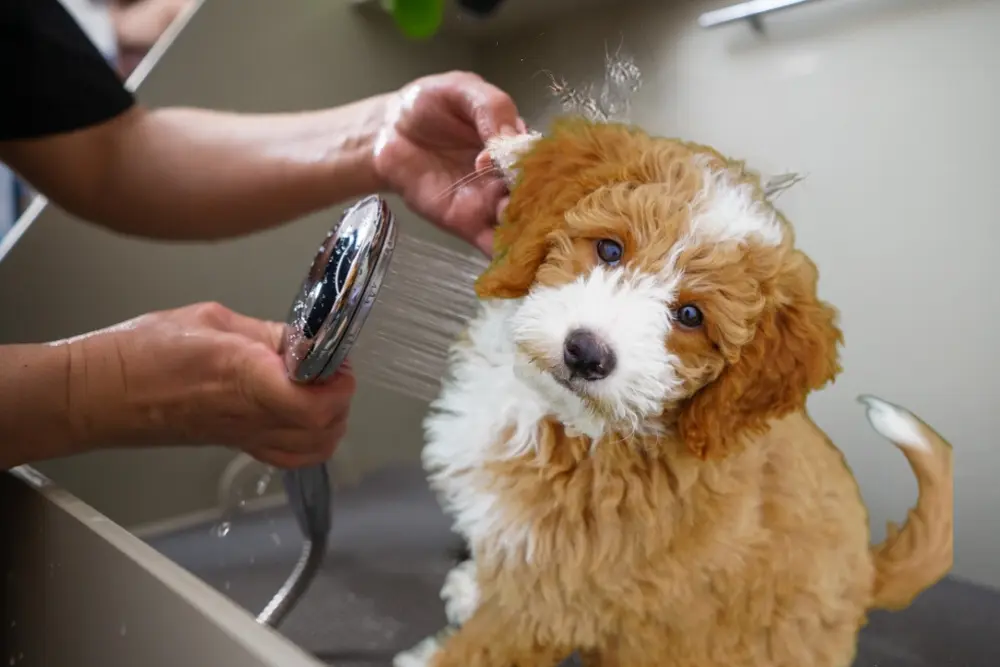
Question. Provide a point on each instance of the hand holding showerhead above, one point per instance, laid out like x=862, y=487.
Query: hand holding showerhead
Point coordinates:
x=427, y=152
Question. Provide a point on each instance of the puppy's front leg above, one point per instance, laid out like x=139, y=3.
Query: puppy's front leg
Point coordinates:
x=460, y=593
x=491, y=639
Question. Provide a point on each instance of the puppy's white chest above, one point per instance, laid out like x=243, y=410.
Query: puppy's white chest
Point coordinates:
x=485, y=413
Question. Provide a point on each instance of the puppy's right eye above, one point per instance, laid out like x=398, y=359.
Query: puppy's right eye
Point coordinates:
x=610, y=252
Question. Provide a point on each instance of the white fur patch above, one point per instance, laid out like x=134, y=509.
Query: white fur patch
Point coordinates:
x=629, y=311
x=505, y=151
x=495, y=398
x=418, y=656
x=726, y=210
x=480, y=402
x=460, y=593
x=894, y=423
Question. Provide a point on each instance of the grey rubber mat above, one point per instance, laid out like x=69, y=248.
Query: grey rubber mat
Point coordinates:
x=391, y=548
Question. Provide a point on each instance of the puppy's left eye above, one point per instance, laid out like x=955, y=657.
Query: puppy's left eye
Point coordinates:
x=689, y=316
x=610, y=252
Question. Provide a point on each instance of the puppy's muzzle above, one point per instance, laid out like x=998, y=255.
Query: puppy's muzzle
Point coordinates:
x=587, y=356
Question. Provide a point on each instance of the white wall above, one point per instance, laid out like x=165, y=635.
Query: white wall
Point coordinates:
x=891, y=107
x=63, y=277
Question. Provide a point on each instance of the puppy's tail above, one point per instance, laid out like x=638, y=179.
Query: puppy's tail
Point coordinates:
x=916, y=556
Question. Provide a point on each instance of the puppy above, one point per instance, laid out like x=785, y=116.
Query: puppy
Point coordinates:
x=623, y=438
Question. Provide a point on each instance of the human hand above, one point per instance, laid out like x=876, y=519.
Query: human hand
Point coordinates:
x=203, y=374
x=435, y=129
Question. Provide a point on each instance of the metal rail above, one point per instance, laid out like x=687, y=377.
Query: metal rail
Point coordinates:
x=751, y=11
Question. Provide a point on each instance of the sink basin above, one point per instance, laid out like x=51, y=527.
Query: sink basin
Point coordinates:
x=377, y=593
x=391, y=547
x=81, y=590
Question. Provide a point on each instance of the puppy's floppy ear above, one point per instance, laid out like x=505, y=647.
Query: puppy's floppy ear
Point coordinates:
x=793, y=352
x=550, y=176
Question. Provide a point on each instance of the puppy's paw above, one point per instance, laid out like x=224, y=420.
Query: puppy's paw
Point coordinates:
x=418, y=656
x=460, y=593
x=895, y=424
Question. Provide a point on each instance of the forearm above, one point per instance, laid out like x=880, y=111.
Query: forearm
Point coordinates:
x=194, y=174
x=35, y=421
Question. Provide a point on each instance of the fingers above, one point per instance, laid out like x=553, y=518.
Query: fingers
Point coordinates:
x=317, y=423
x=491, y=200
x=270, y=334
x=490, y=109
x=321, y=406
x=290, y=450
x=483, y=240
x=501, y=207
x=292, y=405
x=484, y=161
x=220, y=318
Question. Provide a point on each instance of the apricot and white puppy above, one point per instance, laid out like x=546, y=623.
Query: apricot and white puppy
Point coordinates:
x=623, y=438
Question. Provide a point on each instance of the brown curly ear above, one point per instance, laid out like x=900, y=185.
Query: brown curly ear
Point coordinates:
x=793, y=352
x=512, y=271
x=561, y=168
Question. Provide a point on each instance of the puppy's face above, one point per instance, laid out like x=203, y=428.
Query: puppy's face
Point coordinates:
x=659, y=289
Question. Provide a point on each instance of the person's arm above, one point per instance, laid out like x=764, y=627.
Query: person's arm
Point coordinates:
x=35, y=421
x=193, y=174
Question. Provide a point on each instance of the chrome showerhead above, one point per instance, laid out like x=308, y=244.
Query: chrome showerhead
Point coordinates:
x=324, y=322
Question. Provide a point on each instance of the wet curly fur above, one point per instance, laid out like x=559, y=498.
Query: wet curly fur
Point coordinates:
x=684, y=511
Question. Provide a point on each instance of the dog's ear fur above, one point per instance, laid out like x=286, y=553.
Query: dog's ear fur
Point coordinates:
x=793, y=352
x=554, y=174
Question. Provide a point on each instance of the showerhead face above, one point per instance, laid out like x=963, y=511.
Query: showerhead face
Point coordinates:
x=339, y=291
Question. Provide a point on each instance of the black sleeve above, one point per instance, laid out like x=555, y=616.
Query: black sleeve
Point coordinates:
x=52, y=77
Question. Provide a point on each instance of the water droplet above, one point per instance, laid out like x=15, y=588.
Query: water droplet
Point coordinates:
x=277, y=540
x=253, y=560
x=123, y=630
x=223, y=529
x=263, y=483
x=226, y=585
x=12, y=661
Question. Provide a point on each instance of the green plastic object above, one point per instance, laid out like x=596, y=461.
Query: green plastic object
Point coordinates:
x=417, y=19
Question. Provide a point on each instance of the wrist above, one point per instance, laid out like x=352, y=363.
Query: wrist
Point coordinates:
x=35, y=415
x=388, y=108
x=92, y=394
x=109, y=403
x=380, y=113
x=350, y=137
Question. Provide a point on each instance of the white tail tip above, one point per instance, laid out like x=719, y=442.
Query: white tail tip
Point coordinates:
x=894, y=423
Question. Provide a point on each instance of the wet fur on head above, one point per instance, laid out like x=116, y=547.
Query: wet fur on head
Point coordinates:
x=767, y=341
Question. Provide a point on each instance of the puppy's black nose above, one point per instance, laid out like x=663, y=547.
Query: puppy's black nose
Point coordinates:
x=587, y=356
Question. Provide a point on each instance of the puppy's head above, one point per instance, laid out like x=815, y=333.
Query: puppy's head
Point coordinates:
x=658, y=288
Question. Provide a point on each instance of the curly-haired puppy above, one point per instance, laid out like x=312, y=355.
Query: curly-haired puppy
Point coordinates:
x=623, y=439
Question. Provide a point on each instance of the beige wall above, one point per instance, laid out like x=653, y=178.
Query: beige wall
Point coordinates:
x=63, y=278
x=891, y=109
